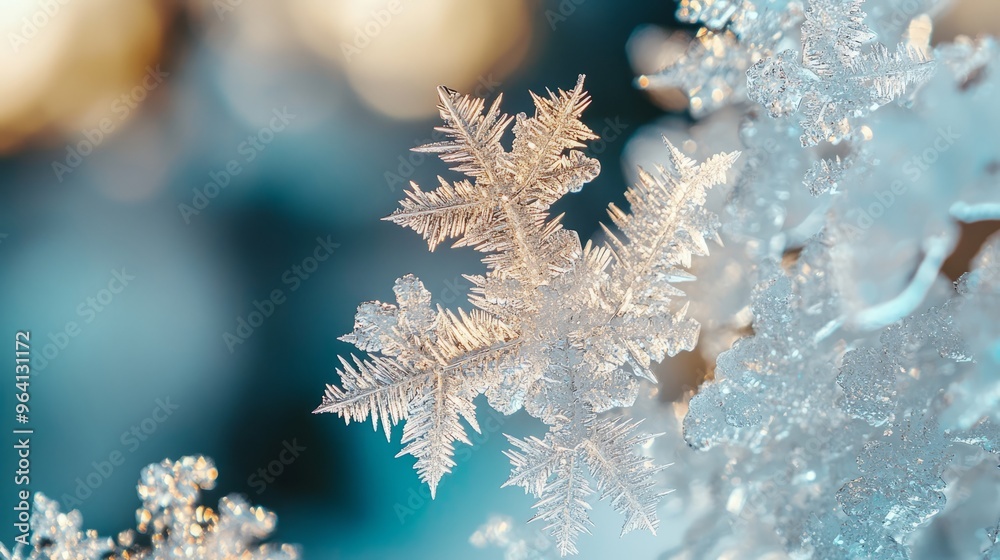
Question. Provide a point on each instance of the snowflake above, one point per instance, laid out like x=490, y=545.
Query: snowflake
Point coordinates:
x=561, y=330
x=170, y=515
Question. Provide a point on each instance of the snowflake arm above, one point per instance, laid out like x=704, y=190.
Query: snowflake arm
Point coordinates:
x=825, y=174
x=424, y=371
x=446, y=212
x=836, y=80
x=886, y=74
x=504, y=212
x=554, y=470
x=556, y=475
x=474, y=146
x=533, y=463
x=627, y=479
x=434, y=426
x=378, y=387
x=668, y=224
x=833, y=27
x=542, y=172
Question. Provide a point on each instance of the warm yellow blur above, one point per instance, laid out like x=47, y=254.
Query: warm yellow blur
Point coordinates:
x=394, y=53
x=968, y=17
x=68, y=64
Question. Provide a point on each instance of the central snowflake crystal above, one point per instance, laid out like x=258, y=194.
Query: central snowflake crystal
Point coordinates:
x=560, y=329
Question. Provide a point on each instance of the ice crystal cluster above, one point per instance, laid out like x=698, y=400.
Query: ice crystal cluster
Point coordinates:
x=841, y=450
x=859, y=414
x=170, y=518
x=562, y=330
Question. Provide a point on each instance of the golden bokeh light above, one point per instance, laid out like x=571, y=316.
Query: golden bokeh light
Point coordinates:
x=394, y=53
x=68, y=65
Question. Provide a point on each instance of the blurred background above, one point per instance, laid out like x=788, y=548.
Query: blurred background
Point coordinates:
x=189, y=217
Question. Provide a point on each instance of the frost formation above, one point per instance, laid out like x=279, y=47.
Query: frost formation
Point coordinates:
x=563, y=330
x=851, y=409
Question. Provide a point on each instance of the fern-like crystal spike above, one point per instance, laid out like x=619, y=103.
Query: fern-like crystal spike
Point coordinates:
x=504, y=212
x=554, y=469
x=411, y=377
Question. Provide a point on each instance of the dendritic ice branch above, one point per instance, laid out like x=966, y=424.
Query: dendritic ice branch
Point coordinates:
x=178, y=527
x=562, y=330
x=554, y=470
